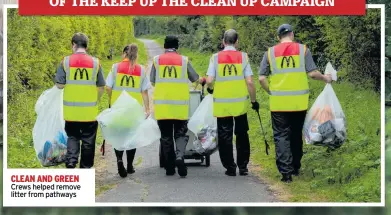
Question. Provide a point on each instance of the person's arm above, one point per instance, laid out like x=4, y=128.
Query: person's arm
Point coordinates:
x=145, y=96
x=60, y=78
x=248, y=75
x=192, y=74
x=145, y=85
x=100, y=83
x=316, y=75
x=211, y=73
x=109, y=85
x=313, y=70
x=264, y=71
x=109, y=91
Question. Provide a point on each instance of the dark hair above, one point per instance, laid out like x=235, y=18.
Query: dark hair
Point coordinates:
x=80, y=40
x=230, y=37
x=131, y=52
x=171, y=42
x=285, y=34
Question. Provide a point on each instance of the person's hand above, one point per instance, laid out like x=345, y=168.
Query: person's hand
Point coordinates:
x=147, y=113
x=255, y=106
x=327, y=78
x=203, y=81
x=210, y=91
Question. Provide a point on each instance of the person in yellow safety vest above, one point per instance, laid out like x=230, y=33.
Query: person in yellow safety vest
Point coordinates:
x=170, y=74
x=81, y=77
x=288, y=64
x=129, y=76
x=231, y=71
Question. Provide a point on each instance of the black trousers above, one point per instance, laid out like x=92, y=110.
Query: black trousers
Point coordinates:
x=287, y=131
x=86, y=133
x=173, y=130
x=225, y=131
x=129, y=156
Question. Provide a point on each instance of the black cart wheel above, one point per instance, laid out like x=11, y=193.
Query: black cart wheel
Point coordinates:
x=207, y=160
x=161, y=157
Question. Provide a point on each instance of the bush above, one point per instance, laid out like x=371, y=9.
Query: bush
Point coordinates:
x=34, y=53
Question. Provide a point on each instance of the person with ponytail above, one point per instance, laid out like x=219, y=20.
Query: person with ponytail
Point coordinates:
x=129, y=76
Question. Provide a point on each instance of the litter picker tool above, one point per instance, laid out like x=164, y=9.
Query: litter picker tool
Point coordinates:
x=263, y=132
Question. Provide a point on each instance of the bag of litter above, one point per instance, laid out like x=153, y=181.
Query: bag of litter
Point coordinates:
x=124, y=125
x=49, y=136
x=204, y=125
x=205, y=142
x=325, y=123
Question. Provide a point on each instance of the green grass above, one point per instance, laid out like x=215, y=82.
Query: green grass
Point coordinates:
x=102, y=189
x=21, y=113
x=349, y=174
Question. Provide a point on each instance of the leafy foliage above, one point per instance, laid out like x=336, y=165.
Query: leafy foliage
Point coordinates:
x=34, y=53
x=350, y=43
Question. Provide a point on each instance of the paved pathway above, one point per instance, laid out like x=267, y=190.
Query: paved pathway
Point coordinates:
x=202, y=184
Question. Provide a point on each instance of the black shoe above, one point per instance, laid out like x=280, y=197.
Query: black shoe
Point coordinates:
x=296, y=172
x=170, y=172
x=121, y=169
x=230, y=172
x=287, y=178
x=71, y=166
x=182, y=169
x=130, y=170
x=243, y=172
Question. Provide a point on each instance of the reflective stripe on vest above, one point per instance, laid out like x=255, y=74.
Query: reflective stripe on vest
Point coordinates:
x=230, y=91
x=171, y=94
x=289, y=90
x=80, y=92
x=123, y=80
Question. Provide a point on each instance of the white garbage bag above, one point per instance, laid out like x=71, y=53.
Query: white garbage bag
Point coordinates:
x=204, y=126
x=49, y=136
x=325, y=123
x=124, y=125
x=41, y=101
x=330, y=70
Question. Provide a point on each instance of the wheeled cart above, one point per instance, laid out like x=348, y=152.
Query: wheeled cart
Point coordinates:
x=196, y=97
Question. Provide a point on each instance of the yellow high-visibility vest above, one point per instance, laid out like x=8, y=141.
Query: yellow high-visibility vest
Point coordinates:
x=289, y=89
x=171, y=94
x=230, y=93
x=80, y=91
x=128, y=81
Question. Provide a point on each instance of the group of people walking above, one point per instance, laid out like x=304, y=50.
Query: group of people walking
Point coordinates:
x=229, y=79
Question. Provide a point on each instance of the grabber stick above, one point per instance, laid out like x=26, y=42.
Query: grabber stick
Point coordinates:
x=263, y=132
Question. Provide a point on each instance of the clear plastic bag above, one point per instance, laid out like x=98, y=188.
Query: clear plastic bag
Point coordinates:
x=204, y=125
x=330, y=70
x=41, y=101
x=205, y=142
x=325, y=123
x=124, y=125
x=49, y=136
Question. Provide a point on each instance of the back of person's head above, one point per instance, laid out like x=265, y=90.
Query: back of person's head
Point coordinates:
x=131, y=52
x=230, y=37
x=171, y=42
x=80, y=40
x=284, y=31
